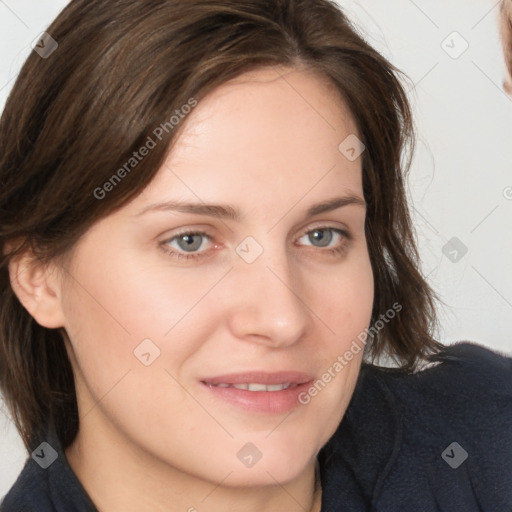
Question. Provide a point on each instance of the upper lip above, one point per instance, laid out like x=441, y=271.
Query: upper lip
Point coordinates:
x=258, y=377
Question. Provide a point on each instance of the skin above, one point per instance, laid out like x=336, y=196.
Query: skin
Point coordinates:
x=153, y=437
x=506, y=35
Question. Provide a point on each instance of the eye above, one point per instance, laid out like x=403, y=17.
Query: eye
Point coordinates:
x=326, y=236
x=193, y=245
x=186, y=245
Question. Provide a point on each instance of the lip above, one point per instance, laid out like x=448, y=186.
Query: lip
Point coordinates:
x=270, y=402
x=261, y=378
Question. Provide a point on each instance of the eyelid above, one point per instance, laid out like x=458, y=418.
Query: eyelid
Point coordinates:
x=324, y=225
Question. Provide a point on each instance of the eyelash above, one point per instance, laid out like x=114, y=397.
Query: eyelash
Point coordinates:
x=335, y=251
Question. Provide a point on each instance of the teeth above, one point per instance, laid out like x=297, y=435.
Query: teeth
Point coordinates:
x=256, y=387
x=277, y=387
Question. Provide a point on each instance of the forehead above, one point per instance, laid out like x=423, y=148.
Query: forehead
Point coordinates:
x=269, y=94
x=275, y=130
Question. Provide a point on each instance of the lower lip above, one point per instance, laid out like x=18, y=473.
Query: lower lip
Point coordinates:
x=273, y=402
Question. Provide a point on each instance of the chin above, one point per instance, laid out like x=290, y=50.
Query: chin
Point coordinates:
x=278, y=462
x=267, y=474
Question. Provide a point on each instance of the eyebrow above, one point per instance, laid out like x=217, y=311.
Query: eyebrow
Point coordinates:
x=223, y=211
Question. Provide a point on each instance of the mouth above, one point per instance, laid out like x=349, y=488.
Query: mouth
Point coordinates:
x=255, y=386
x=262, y=392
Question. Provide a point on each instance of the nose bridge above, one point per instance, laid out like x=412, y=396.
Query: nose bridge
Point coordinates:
x=269, y=303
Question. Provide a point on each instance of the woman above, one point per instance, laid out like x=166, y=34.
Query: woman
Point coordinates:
x=207, y=252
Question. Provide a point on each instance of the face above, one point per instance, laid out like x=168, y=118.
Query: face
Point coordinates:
x=260, y=291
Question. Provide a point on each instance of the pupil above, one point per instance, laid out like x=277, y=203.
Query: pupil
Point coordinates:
x=189, y=243
x=320, y=236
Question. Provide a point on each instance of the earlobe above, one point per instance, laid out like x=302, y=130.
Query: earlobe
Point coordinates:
x=37, y=287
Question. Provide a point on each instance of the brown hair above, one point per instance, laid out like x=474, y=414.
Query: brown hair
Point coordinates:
x=122, y=68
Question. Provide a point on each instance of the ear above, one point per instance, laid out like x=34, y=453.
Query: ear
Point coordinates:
x=38, y=288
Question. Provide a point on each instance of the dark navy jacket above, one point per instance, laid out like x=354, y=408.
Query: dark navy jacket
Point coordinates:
x=439, y=440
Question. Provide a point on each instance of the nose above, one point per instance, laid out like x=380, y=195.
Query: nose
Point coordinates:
x=270, y=303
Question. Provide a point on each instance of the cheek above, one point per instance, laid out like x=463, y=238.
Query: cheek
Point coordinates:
x=346, y=309
x=122, y=300
x=110, y=309
x=113, y=307
x=106, y=323
x=347, y=300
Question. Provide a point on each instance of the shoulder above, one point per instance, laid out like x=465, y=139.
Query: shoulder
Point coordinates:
x=462, y=359
x=456, y=427
x=464, y=394
x=437, y=439
x=47, y=483
x=465, y=384
x=29, y=493
x=464, y=380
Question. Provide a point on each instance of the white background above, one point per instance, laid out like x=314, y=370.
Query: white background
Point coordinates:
x=461, y=174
